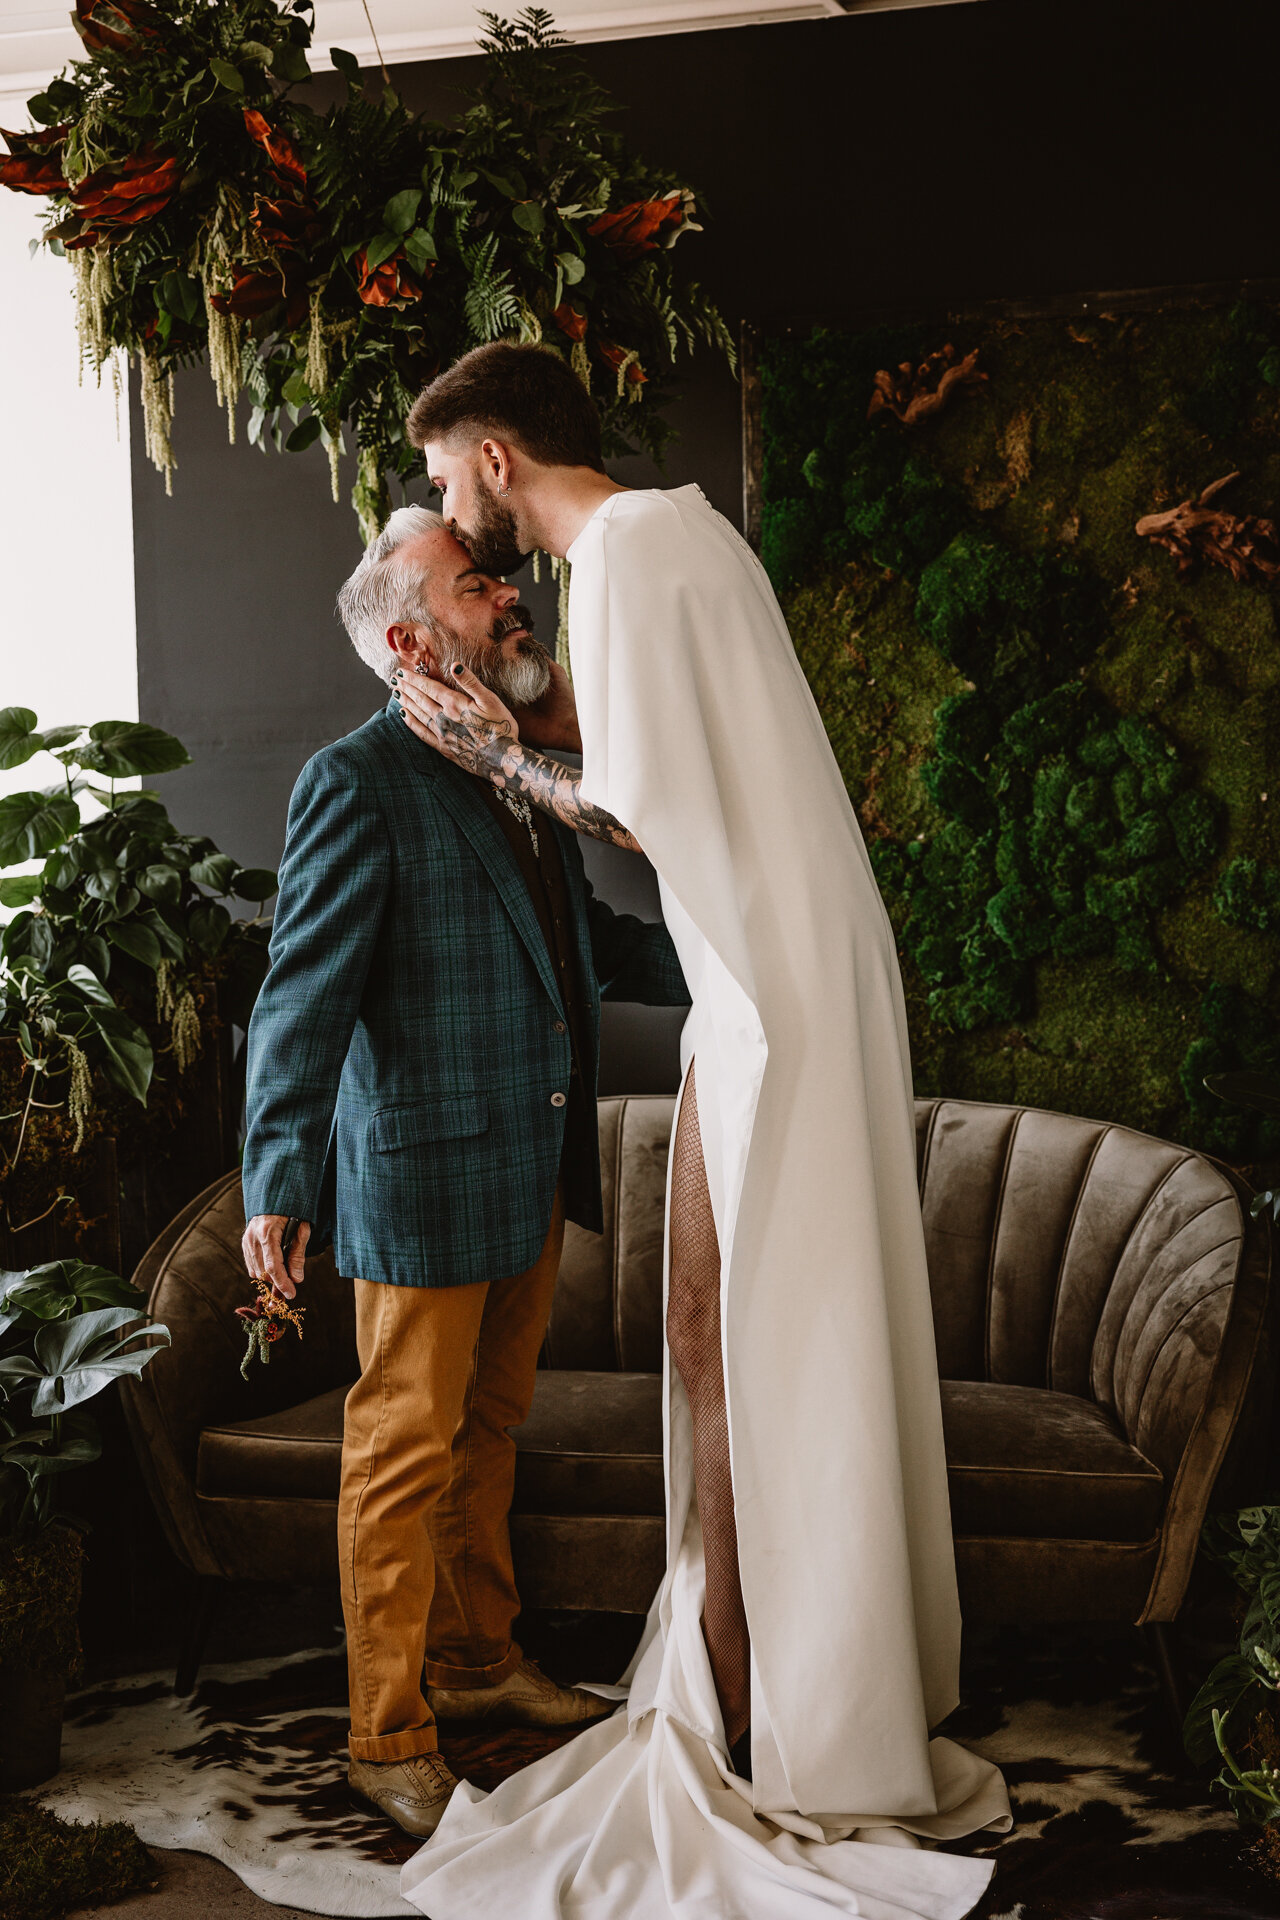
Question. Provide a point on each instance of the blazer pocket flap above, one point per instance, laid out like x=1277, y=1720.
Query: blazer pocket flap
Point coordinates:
x=453, y=1118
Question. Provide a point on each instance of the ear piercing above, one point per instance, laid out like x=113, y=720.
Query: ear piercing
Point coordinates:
x=504, y=490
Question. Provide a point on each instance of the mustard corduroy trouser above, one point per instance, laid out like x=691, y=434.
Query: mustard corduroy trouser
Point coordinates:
x=428, y=1471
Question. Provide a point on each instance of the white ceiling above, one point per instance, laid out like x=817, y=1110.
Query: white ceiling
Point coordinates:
x=36, y=41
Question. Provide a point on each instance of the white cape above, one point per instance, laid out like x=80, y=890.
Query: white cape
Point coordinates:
x=701, y=735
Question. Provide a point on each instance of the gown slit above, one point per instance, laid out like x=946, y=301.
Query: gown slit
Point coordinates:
x=693, y=1335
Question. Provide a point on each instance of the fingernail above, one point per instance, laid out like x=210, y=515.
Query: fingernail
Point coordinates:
x=457, y=667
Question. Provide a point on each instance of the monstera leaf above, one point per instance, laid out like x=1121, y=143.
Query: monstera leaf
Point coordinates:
x=72, y=1360
x=119, y=748
x=60, y=1289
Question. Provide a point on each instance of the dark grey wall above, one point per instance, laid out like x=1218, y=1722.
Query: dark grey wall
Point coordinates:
x=921, y=157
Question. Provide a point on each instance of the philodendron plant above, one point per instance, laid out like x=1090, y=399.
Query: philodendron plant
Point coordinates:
x=67, y=1330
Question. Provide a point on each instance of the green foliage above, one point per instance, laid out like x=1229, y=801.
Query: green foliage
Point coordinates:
x=67, y=1330
x=52, y=1866
x=1238, y=1695
x=1060, y=749
x=124, y=916
x=331, y=262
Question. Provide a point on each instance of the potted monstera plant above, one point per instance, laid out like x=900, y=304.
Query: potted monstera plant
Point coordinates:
x=67, y=1331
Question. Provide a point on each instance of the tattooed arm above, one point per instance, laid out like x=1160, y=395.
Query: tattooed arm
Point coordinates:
x=470, y=726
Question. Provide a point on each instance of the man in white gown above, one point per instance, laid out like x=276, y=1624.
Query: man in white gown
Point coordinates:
x=774, y=1759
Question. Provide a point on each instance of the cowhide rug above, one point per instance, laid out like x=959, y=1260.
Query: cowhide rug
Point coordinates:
x=251, y=1770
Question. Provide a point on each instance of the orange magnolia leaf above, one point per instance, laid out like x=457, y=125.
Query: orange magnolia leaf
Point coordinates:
x=115, y=26
x=33, y=163
x=570, y=321
x=122, y=195
x=277, y=146
x=388, y=285
x=640, y=227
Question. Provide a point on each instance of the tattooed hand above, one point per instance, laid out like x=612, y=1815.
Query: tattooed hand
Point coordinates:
x=466, y=722
x=470, y=726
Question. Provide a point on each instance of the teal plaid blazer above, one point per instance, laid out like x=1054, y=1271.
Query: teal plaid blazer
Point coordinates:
x=409, y=1036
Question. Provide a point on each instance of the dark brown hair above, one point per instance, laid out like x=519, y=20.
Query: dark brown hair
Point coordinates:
x=523, y=394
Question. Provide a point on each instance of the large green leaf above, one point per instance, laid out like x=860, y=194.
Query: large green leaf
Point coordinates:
x=216, y=870
x=75, y=1359
x=119, y=748
x=528, y=215
x=209, y=927
x=254, y=883
x=20, y=890
x=87, y=982
x=133, y=938
x=32, y=824
x=419, y=249
x=18, y=738
x=346, y=64
x=305, y=434
x=161, y=882
x=1232, y=1682
x=125, y=1051
x=36, y=1453
x=381, y=248
x=62, y=1288
x=401, y=210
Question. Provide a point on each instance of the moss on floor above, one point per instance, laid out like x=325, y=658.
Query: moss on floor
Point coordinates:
x=1061, y=749
x=48, y=1865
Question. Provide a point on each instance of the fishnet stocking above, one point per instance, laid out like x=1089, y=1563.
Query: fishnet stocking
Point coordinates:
x=693, y=1335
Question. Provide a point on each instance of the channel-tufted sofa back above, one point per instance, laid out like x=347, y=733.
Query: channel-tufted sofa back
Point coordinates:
x=1063, y=1253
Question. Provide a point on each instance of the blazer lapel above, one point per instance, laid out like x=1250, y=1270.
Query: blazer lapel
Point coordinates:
x=455, y=791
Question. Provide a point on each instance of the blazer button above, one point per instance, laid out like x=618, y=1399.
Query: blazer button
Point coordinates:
x=558, y=1026
x=558, y=1099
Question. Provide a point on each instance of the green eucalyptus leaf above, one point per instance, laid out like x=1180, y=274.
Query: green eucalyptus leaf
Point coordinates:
x=401, y=210
x=119, y=748
x=296, y=389
x=21, y=889
x=381, y=248
x=230, y=77
x=419, y=249
x=304, y=435
x=32, y=824
x=18, y=737
x=528, y=215
x=255, y=50
x=572, y=266
x=289, y=63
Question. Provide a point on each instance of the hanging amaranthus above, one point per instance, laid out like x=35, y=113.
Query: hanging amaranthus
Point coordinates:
x=156, y=388
x=79, y=1093
x=175, y=1003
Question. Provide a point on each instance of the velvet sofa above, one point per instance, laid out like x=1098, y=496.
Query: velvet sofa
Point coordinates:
x=1099, y=1298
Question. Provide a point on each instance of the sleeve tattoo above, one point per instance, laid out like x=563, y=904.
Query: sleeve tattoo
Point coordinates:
x=485, y=747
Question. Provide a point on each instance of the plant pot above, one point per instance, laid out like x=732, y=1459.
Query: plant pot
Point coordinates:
x=31, y=1703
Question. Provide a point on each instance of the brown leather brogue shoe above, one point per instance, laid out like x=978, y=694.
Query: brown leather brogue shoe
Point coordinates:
x=414, y=1793
x=526, y=1698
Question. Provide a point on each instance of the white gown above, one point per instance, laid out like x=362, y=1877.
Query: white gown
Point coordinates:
x=701, y=735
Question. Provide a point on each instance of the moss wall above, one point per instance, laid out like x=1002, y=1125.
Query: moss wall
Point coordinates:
x=1061, y=751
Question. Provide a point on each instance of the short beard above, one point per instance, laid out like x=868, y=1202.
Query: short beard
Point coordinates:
x=492, y=541
x=518, y=682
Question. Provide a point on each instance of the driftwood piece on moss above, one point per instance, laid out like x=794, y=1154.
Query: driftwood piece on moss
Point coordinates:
x=913, y=393
x=1194, y=531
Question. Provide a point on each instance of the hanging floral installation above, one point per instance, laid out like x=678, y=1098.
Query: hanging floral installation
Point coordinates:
x=329, y=261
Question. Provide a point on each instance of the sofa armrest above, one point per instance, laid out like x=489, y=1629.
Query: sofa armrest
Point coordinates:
x=195, y=1278
x=1176, y=1350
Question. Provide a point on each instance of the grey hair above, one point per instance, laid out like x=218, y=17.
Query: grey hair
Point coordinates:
x=383, y=590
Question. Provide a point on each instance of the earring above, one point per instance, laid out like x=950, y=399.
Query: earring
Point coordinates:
x=504, y=490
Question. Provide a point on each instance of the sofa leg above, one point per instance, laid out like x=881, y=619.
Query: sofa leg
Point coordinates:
x=1162, y=1646
x=203, y=1609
